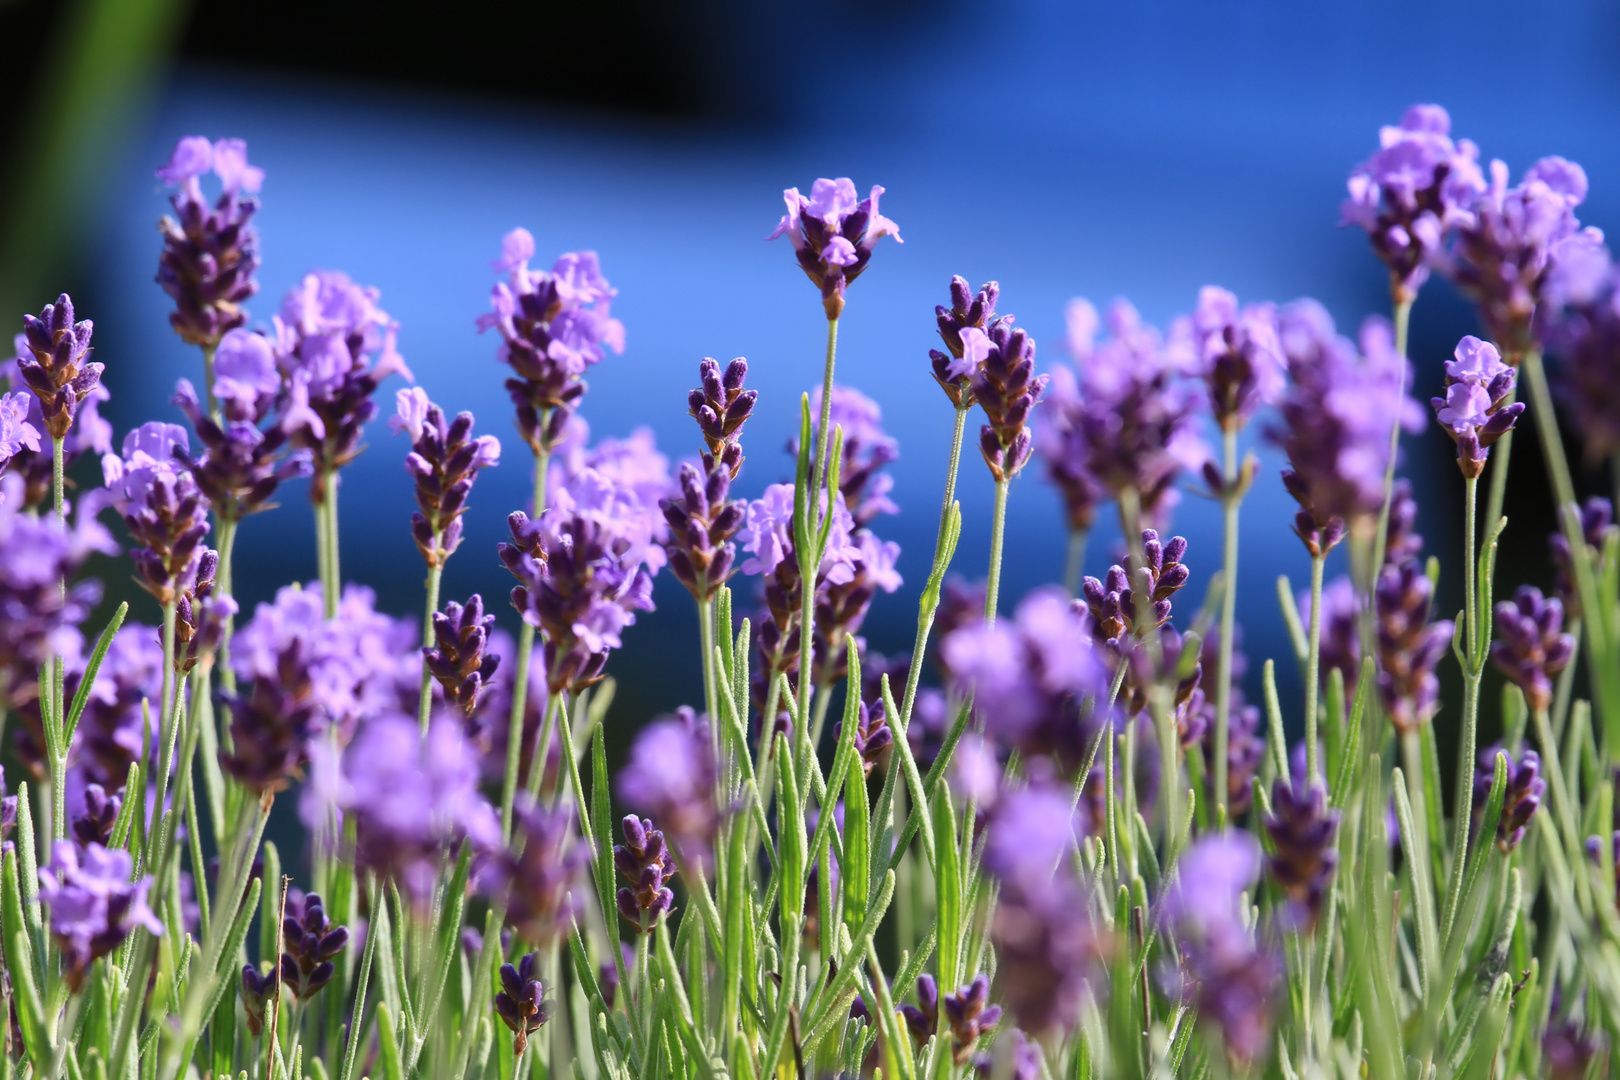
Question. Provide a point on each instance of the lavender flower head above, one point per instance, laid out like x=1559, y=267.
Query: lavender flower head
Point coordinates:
x=1029, y=675
x=444, y=461
x=1409, y=646
x=1060, y=440
x=312, y=942
x=1531, y=645
x=16, y=433
x=334, y=347
x=1228, y=977
x=1474, y=411
x=1137, y=413
x=833, y=235
x=542, y=882
x=521, y=1002
x=460, y=658
x=954, y=370
x=1579, y=320
x=644, y=861
x=1111, y=603
x=209, y=252
x=161, y=505
x=721, y=406
x=242, y=461
x=1007, y=389
x=1597, y=522
x=1520, y=800
x=1415, y=190
x=553, y=327
x=1239, y=355
x=1336, y=418
x=702, y=522
x=671, y=777
x=89, y=433
x=55, y=366
x=412, y=797
x=867, y=450
x=1302, y=830
x=93, y=904
x=1503, y=256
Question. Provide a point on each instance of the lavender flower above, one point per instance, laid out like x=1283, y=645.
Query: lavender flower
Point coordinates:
x=311, y=943
x=1597, y=521
x=1401, y=542
x=1060, y=440
x=671, y=777
x=1336, y=421
x=553, y=327
x=970, y=1015
x=16, y=433
x=542, y=881
x=1409, y=646
x=444, y=461
x=872, y=734
x=1007, y=389
x=55, y=365
x=1302, y=830
x=1111, y=603
x=521, y=1003
x=721, y=406
x=242, y=460
x=1579, y=320
x=644, y=861
x=956, y=370
x=922, y=1019
x=90, y=432
x=1521, y=799
x=161, y=505
x=259, y=992
x=1474, y=411
x=1029, y=674
x=1417, y=188
x=209, y=254
x=412, y=796
x=1230, y=980
x=1501, y=258
x=95, y=824
x=841, y=607
x=459, y=658
x=1531, y=645
x=867, y=450
x=201, y=614
x=93, y=904
x=701, y=523
x=1568, y=1048
x=1135, y=411
x=1238, y=355
x=833, y=235
x=326, y=337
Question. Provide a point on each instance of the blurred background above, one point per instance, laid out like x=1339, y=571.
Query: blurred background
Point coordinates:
x=1062, y=148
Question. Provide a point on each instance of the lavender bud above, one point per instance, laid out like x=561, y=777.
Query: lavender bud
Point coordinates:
x=259, y=992
x=955, y=372
x=1475, y=412
x=1597, y=519
x=54, y=364
x=1302, y=830
x=1525, y=790
x=1409, y=647
x=459, y=659
x=521, y=1003
x=1531, y=645
x=644, y=861
x=721, y=406
x=311, y=942
x=833, y=235
x=1006, y=387
x=970, y=1015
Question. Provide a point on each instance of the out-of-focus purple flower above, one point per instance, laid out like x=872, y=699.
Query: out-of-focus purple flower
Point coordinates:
x=841, y=607
x=1568, y=1048
x=1336, y=421
x=311, y=944
x=1475, y=412
x=16, y=433
x=161, y=504
x=334, y=347
x=112, y=732
x=1060, y=440
x=1007, y=389
x=867, y=450
x=92, y=903
x=1579, y=322
x=721, y=406
x=309, y=674
x=94, y=823
x=521, y=1002
x=955, y=369
x=1522, y=797
x=243, y=460
x=8, y=815
x=833, y=234
x=542, y=882
x=1225, y=974
x=460, y=658
x=209, y=253
x=671, y=777
x=872, y=734
x=1239, y=355
x=444, y=461
x=644, y=861
x=1414, y=190
x=411, y=796
x=1594, y=851
x=1028, y=676
x=1111, y=603
x=970, y=1015
x=1302, y=829
x=1409, y=646
x=553, y=327
x=1136, y=410
x=1025, y=1056
x=54, y=364
x=1401, y=542
x=201, y=613
x=1597, y=521
x=1531, y=645
x=1502, y=257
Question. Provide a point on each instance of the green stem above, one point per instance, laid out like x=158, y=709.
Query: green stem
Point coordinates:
x=424, y=708
x=525, y=648
x=1471, y=612
x=1473, y=669
x=819, y=467
x=225, y=581
x=1074, y=563
x=168, y=718
x=711, y=701
x=208, y=384
x=998, y=529
x=925, y=614
x=819, y=475
x=1501, y=454
x=1313, y=666
x=1403, y=316
x=1230, y=501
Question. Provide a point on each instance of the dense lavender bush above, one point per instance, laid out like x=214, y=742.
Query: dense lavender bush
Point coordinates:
x=1079, y=852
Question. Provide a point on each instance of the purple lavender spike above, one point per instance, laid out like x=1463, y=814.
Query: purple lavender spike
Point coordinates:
x=209, y=253
x=833, y=235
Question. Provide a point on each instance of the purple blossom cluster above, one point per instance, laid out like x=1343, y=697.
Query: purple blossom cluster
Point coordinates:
x=541, y=877
x=444, y=461
x=1520, y=800
x=210, y=253
x=954, y=370
x=165, y=511
x=25, y=444
x=1409, y=646
x=833, y=233
x=1531, y=645
x=1001, y=362
x=93, y=904
x=54, y=364
x=1302, y=830
x=1238, y=354
x=703, y=519
x=461, y=658
x=1475, y=411
x=553, y=327
x=672, y=777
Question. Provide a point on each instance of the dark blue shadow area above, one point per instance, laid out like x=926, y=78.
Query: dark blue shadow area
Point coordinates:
x=1096, y=150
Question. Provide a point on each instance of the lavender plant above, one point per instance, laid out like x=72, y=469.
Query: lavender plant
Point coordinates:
x=1083, y=853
